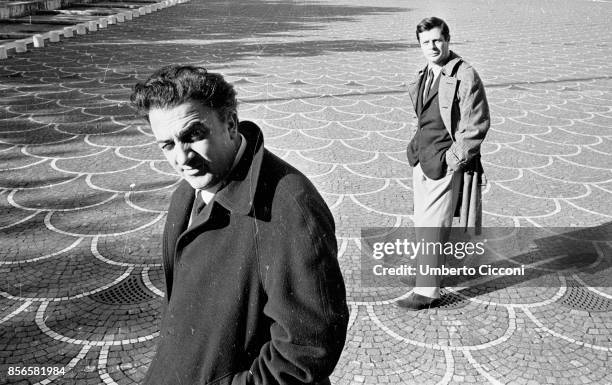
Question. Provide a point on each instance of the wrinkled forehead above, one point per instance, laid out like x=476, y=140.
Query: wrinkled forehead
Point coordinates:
x=172, y=121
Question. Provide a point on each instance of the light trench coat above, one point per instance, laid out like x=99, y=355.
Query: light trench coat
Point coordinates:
x=465, y=113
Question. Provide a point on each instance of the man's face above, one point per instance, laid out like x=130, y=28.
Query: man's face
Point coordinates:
x=199, y=145
x=434, y=46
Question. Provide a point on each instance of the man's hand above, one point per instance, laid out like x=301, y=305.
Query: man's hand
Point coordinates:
x=452, y=163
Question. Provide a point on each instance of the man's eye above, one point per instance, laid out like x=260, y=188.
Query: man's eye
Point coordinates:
x=198, y=132
x=196, y=136
x=167, y=146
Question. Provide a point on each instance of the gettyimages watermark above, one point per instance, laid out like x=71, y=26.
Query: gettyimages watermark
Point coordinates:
x=533, y=257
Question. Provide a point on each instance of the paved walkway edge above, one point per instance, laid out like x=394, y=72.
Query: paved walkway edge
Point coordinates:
x=23, y=8
x=38, y=40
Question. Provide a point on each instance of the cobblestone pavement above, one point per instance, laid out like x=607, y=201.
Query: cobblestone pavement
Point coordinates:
x=83, y=188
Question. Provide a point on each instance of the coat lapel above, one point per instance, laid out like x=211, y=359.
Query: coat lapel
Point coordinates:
x=179, y=211
x=446, y=95
x=178, y=217
x=447, y=91
x=413, y=90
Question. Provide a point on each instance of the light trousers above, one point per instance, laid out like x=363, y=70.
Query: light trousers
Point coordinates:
x=434, y=206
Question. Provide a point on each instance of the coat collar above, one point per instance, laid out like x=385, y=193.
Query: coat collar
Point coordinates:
x=450, y=65
x=238, y=192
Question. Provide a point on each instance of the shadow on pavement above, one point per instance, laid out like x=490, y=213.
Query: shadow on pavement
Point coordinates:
x=579, y=252
x=496, y=259
x=548, y=81
x=223, y=32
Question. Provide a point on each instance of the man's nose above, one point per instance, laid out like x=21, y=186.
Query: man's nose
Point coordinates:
x=183, y=153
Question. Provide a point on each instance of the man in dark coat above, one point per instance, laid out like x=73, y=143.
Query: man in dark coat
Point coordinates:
x=254, y=293
x=453, y=119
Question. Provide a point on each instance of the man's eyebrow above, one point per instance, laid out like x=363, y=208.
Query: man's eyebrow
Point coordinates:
x=189, y=130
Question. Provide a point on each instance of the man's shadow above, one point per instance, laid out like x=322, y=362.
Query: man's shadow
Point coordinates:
x=549, y=257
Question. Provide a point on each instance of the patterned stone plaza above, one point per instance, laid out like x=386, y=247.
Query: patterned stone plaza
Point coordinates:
x=84, y=188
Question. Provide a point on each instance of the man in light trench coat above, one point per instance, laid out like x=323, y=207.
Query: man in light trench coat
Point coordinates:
x=453, y=118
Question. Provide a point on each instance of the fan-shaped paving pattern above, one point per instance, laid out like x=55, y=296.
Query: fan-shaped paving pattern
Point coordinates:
x=60, y=197
x=534, y=145
x=569, y=215
x=93, y=221
x=519, y=204
x=382, y=143
x=338, y=152
x=46, y=134
x=18, y=124
x=22, y=333
x=146, y=152
x=534, y=355
x=101, y=163
x=75, y=273
x=357, y=292
x=55, y=115
x=563, y=136
x=142, y=247
x=371, y=356
x=124, y=322
x=9, y=216
x=383, y=167
x=341, y=181
x=535, y=185
x=567, y=170
x=296, y=140
x=592, y=204
x=435, y=330
x=118, y=136
x=353, y=217
x=98, y=128
x=334, y=130
x=374, y=123
x=591, y=158
x=13, y=159
x=308, y=166
x=395, y=197
x=30, y=238
x=74, y=148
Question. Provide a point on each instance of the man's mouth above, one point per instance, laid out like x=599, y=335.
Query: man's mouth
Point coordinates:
x=190, y=171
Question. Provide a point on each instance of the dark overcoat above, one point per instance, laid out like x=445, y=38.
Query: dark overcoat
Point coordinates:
x=254, y=290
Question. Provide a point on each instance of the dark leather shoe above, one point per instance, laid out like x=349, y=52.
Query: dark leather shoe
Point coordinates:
x=417, y=302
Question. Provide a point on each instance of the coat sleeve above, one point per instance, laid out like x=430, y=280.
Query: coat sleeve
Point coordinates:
x=474, y=119
x=306, y=301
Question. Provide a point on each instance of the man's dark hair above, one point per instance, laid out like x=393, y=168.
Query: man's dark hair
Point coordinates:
x=174, y=85
x=430, y=23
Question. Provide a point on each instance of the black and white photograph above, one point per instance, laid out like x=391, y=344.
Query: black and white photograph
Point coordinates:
x=325, y=192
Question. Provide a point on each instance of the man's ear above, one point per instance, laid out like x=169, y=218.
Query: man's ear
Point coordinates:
x=232, y=123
